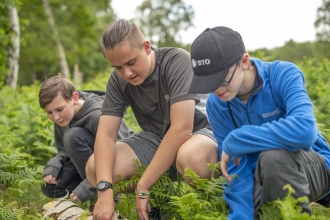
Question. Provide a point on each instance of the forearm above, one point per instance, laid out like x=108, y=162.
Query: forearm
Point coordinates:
x=54, y=165
x=105, y=155
x=164, y=157
x=292, y=133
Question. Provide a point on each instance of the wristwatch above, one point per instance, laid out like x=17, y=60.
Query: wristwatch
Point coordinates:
x=103, y=185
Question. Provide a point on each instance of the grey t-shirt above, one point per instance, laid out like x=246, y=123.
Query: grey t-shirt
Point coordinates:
x=167, y=84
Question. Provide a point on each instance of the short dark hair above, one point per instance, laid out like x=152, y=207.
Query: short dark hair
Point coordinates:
x=53, y=86
x=119, y=32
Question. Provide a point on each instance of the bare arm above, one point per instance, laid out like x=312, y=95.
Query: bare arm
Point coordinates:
x=105, y=156
x=182, y=118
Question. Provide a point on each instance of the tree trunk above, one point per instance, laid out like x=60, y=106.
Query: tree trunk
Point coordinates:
x=61, y=54
x=77, y=77
x=14, y=47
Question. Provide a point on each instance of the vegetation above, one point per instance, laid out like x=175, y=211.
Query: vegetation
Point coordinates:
x=27, y=144
x=160, y=21
x=26, y=135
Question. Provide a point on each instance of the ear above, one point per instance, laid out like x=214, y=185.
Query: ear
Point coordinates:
x=245, y=61
x=147, y=47
x=75, y=97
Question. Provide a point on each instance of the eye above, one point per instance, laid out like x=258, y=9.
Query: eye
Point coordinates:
x=131, y=63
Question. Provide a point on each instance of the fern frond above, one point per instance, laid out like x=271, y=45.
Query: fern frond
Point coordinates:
x=10, y=211
x=6, y=177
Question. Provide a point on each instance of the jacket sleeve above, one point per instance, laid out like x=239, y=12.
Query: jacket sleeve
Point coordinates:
x=54, y=165
x=298, y=130
x=84, y=190
x=239, y=192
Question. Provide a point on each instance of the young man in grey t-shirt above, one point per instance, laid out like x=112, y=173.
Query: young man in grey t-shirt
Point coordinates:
x=154, y=83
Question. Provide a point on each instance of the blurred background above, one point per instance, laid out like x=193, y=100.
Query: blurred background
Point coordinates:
x=40, y=38
x=45, y=37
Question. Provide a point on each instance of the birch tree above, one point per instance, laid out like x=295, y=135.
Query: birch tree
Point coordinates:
x=60, y=50
x=13, y=47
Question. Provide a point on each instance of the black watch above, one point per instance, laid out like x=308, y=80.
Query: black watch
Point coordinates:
x=103, y=185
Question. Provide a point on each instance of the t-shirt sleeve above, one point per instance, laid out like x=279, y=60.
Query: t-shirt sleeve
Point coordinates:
x=178, y=72
x=115, y=103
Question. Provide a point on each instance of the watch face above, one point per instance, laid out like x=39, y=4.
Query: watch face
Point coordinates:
x=103, y=185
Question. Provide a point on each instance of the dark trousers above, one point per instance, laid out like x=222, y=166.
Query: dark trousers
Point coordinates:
x=79, y=145
x=68, y=179
x=305, y=171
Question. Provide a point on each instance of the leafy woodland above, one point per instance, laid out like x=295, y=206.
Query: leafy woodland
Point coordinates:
x=27, y=135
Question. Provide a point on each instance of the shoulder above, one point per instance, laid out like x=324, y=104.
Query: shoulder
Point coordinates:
x=284, y=66
x=283, y=71
x=170, y=53
x=174, y=59
x=277, y=71
x=91, y=94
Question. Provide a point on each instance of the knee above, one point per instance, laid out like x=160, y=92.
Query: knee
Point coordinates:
x=273, y=165
x=76, y=137
x=268, y=162
x=196, y=157
x=90, y=170
x=47, y=191
x=70, y=136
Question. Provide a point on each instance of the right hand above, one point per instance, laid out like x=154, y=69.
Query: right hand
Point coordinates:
x=225, y=158
x=50, y=179
x=104, y=208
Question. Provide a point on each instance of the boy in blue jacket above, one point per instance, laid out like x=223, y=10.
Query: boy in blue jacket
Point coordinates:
x=264, y=124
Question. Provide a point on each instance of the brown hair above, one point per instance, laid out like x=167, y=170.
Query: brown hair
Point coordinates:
x=119, y=32
x=53, y=86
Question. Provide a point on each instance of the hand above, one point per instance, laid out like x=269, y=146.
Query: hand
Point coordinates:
x=142, y=207
x=74, y=198
x=50, y=179
x=225, y=158
x=104, y=208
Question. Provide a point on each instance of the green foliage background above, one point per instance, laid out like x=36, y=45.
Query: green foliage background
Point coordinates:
x=26, y=135
x=27, y=144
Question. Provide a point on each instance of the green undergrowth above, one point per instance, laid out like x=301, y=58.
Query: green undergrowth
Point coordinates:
x=27, y=143
x=176, y=200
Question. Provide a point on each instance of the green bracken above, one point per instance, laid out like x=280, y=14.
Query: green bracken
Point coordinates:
x=26, y=144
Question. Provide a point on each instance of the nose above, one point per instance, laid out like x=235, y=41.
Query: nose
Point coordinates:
x=128, y=73
x=218, y=91
x=56, y=116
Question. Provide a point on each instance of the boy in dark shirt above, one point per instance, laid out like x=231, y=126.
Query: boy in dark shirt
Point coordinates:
x=76, y=116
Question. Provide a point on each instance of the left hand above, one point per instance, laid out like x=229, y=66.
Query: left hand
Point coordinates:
x=225, y=158
x=74, y=198
x=142, y=207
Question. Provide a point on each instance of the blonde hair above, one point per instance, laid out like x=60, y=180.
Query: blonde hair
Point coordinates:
x=119, y=32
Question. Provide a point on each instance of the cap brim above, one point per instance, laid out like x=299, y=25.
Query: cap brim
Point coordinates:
x=207, y=83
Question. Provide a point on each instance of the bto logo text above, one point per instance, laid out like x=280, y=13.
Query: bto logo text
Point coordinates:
x=200, y=62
